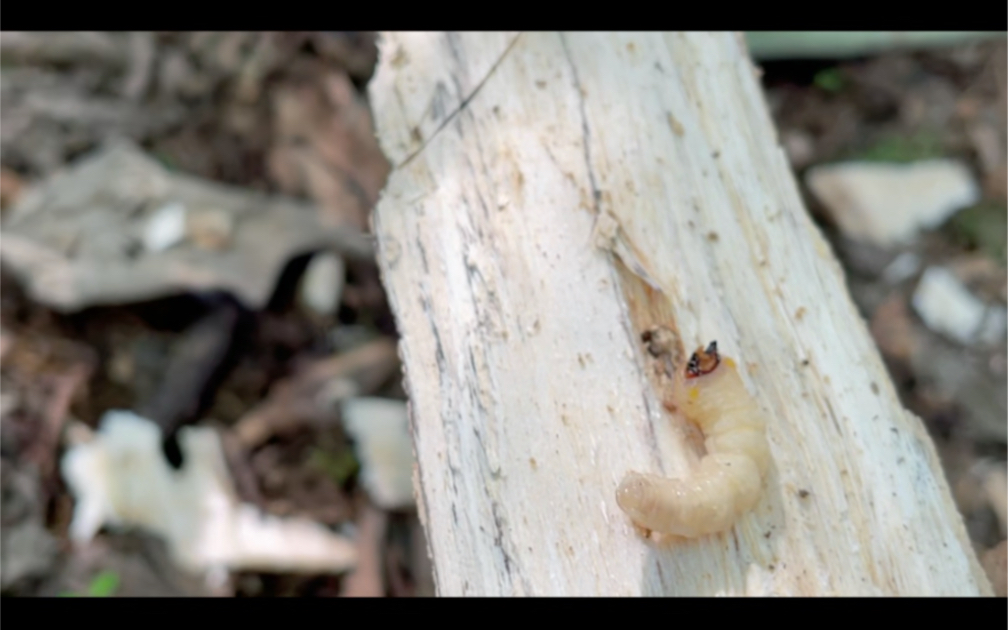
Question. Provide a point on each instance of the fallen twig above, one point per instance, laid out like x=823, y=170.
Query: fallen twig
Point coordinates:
x=310, y=396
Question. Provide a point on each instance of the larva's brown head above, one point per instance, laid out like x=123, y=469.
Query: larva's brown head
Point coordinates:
x=703, y=361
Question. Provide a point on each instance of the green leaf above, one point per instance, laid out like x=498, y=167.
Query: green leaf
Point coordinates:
x=983, y=228
x=165, y=160
x=829, y=80
x=902, y=149
x=338, y=466
x=104, y=584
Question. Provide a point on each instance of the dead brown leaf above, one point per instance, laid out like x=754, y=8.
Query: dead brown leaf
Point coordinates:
x=356, y=52
x=49, y=374
x=80, y=47
x=366, y=580
x=326, y=147
x=981, y=274
x=893, y=330
x=6, y=342
x=995, y=563
x=11, y=186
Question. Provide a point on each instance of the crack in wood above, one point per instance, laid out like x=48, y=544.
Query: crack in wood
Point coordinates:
x=585, y=131
x=465, y=102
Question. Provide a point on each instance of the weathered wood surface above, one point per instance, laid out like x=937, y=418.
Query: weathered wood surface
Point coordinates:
x=553, y=196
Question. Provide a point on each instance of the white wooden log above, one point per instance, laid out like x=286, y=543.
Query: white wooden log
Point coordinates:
x=554, y=195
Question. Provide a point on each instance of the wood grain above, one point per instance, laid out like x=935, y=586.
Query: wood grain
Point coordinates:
x=555, y=195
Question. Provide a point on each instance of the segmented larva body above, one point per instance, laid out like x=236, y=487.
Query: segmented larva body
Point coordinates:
x=729, y=480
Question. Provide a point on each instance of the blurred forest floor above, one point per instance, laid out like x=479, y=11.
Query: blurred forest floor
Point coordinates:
x=286, y=113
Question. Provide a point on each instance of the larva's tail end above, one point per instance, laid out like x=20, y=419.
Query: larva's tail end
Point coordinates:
x=632, y=494
x=638, y=496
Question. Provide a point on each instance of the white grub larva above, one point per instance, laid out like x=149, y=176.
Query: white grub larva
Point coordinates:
x=729, y=480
